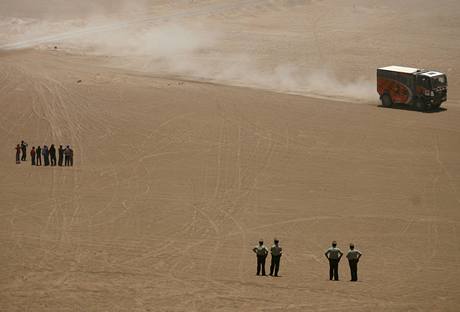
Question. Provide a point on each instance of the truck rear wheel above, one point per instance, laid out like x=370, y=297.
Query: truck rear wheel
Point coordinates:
x=386, y=101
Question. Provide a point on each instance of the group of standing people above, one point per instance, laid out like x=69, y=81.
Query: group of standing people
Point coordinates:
x=261, y=252
x=64, y=155
x=333, y=254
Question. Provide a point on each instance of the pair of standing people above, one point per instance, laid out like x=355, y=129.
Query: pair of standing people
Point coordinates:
x=65, y=156
x=334, y=254
x=261, y=252
x=21, y=148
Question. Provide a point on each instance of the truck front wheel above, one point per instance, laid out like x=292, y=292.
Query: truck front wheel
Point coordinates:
x=420, y=105
x=386, y=101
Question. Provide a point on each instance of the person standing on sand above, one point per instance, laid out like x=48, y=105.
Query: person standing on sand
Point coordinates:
x=46, y=155
x=333, y=254
x=53, y=155
x=32, y=155
x=24, y=150
x=60, y=155
x=18, y=154
x=71, y=157
x=261, y=252
x=67, y=156
x=276, y=252
x=39, y=156
x=353, y=256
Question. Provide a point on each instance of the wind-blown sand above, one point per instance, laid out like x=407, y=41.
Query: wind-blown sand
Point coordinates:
x=247, y=120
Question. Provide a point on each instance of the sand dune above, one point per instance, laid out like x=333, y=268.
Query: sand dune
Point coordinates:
x=201, y=126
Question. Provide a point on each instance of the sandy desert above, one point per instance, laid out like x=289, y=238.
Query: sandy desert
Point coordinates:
x=200, y=127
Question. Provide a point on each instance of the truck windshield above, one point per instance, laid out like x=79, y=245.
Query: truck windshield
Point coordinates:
x=439, y=81
x=424, y=81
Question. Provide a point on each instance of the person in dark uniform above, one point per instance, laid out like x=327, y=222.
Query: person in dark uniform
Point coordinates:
x=353, y=256
x=334, y=254
x=32, y=155
x=261, y=252
x=18, y=154
x=46, y=155
x=60, y=155
x=52, y=152
x=24, y=150
x=276, y=252
x=39, y=156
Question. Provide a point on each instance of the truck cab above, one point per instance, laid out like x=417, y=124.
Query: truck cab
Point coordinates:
x=422, y=89
x=432, y=87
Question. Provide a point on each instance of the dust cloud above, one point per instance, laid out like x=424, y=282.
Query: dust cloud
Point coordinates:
x=190, y=50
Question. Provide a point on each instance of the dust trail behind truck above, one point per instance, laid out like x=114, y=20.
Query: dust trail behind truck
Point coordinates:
x=422, y=89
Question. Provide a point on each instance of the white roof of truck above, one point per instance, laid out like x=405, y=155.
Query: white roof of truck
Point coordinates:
x=400, y=69
x=432, y=73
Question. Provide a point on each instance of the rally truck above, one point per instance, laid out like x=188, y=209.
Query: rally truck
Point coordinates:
x=420, y=88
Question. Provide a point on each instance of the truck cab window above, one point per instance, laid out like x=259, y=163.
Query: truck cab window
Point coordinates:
x=439, y=81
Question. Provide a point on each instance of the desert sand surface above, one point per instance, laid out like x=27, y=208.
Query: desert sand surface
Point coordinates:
x=200, y=127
